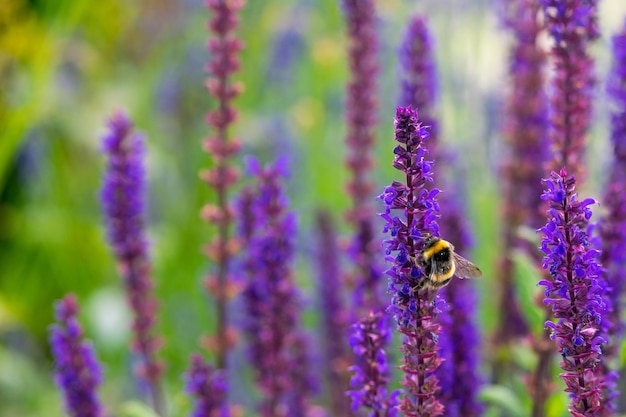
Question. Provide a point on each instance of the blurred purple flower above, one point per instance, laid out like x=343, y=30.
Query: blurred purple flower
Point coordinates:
x=334, y=315
x=369, y=338
x=272, y=299
x=77, y=372
x=361, y=107
x=460, y=342
x=208, y=387
x=418, y=76
x=613, y=225
x=123, y=201
x=575, y=292
x=224, y=47
x=572, y=25
x=414, y=309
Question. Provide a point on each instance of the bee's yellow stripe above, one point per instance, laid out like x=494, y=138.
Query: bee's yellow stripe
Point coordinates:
x=440, y=245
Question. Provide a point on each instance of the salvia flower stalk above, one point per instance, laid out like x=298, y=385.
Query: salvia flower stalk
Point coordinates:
x=208, y=388
x=460, y=341
x=574, y=291
x=76, y=370
x=224, y=47
x=572, y=25
x=334, y=315
x=271, y=297
x=414, y=308
x=361, y=105
x=613, y=224
x=369, y=338
x=123, y=201
x=418, y=76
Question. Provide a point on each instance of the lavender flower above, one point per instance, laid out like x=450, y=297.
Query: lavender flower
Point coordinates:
x=123, y=203
x=77, y=372
x=418, y=75
x=209, y=388
x=334, y=314
x=271, y=297
x=572, y=25
x=369, y=338
x=574, y=291
x=224, y=47
x=460, y=342
x=613, y=225
x=361, y=105
x=413, y=309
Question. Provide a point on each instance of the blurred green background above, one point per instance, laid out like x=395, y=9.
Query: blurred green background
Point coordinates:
x=66, y=65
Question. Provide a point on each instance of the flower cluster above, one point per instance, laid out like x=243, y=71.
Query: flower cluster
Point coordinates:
x=572, y=25
x=413, y=308
x=272, y=300
x=76, y=369
x=369, y=338
x=123, y=194
x=209, y=388
x=575, y=292
x=224, y=47
x=361, y=106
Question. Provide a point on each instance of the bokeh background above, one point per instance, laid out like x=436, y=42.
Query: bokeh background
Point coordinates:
x=66, y=65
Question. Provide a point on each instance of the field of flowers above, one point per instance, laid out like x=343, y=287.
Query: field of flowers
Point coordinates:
x=223, y=208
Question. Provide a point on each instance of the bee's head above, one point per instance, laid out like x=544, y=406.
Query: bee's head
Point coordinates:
x=429, y=239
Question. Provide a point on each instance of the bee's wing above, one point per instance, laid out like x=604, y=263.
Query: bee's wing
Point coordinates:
x=466, y=269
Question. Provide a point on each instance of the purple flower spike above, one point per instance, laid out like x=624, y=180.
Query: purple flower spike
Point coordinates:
x=77, y=372
x=334, y=314
x=575, y=292
x=613, y=225
x=572, y=25
x=418, y=76
x=123, y=203
x=224, y=47
x=209, y=389
x=361, y=105
x=369, y=338
x=415, y=310
x=271, y=297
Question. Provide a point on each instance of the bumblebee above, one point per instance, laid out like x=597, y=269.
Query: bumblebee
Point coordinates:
x=440, y=263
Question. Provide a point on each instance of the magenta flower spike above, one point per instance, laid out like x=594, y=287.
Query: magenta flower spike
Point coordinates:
x=76, y=370
x=414, y=309
x=575, y=292
x=224, y=47
x=123, y=202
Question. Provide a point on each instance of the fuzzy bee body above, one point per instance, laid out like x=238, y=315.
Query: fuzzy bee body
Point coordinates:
x=440, y=263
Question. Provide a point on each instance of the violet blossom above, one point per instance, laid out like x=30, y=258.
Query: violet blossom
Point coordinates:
x=574, y=291
x=123, y=202
x=271, y=297
x=208, y=387
x=76, y=370
x=415, y=310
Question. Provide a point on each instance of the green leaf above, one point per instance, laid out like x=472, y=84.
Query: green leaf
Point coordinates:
x=136, y=409
x=503, y=397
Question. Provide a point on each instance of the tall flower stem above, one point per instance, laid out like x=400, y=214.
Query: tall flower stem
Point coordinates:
x=224, y=47
x=414, y=307
x=123, y=203
x=572, y=25
x=361, y=105
x=575, y=292
x=77, y=372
